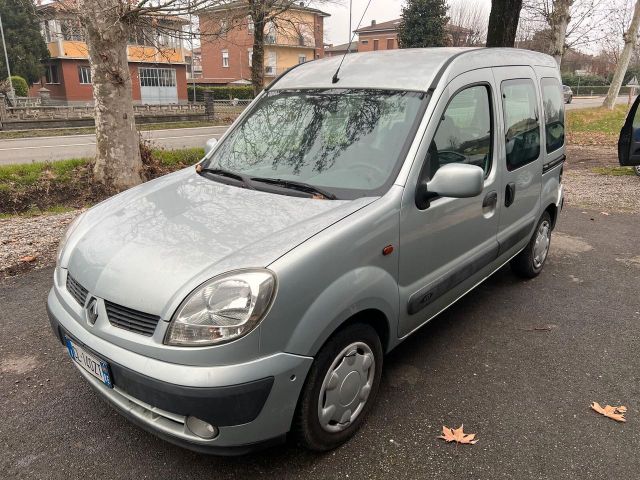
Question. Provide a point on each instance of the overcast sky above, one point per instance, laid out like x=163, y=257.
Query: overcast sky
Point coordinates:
x=336, y=26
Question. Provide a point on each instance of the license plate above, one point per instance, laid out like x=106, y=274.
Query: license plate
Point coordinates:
x=92, y=364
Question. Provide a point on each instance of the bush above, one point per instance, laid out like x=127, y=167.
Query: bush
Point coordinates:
x=592, y=80
x=222, y=93
x=20, y=86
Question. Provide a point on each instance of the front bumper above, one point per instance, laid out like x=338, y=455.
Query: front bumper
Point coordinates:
x=251, y=404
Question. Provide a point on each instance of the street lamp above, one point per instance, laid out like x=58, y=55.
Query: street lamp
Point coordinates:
x=6, y=59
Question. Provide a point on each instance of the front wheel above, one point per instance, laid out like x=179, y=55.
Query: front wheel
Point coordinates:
x=637, y=170
x=340, y=388
x=529, y=262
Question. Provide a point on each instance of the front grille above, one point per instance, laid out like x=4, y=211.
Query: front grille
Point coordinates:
x=77, y=291
x=132, y=320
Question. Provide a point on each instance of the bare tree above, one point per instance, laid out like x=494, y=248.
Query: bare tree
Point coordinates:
x=566, y=23
x=630, y=41
x=472, y=18
x=107, y=27
x=503, y=23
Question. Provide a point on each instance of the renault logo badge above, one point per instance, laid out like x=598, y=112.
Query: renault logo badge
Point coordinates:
x=92, y=310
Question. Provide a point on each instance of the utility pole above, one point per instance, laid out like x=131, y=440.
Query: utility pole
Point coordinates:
x=6, y=59
x=350, y=13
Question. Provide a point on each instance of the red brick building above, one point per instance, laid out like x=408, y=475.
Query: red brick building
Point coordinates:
x=158, y=71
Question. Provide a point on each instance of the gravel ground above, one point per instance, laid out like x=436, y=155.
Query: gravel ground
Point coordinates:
x=38, y=237
x=30, y=242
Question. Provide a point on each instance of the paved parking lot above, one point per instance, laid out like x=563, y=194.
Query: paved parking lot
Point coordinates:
x=517, y=362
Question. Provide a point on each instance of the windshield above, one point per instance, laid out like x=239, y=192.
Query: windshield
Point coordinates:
x=345, y=141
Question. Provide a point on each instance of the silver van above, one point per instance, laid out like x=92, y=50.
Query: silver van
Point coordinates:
x=225, y=306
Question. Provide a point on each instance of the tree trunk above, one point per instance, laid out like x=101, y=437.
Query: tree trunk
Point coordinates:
x=558, y=21
x=503, y=23
x=118, y=164
x=257, y=12
x=630, y=38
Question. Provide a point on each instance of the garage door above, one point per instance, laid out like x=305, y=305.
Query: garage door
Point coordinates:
x=158, y=85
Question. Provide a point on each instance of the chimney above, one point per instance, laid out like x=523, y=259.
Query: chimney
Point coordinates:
x=373, y=23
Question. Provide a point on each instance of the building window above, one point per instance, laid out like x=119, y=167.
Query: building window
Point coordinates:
x=157, y=77
x=84, y=74
x=365, y=42
x=390, y=45
x=250, y=53
x=225, y=58
x=51, y=74
x=376, y=44
x=302, y=58
x=250, y=25
x=71, y=30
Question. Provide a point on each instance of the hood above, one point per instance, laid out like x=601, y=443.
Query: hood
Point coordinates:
x=156, y=242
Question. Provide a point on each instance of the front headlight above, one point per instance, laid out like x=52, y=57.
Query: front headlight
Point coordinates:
x=222, y=309
x=67, y=234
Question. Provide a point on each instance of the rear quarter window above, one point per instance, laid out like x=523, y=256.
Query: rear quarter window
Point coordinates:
x=553, y=101
x=522, y=130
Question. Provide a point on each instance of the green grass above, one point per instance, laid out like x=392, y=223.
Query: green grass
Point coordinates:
x=59, y=132
x=187, y=156
x=24, y=175
x=613, y=171
x=601, y=120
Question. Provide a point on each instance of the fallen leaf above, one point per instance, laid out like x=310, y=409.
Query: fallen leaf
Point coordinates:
x=615, y=413
x=604, y=213
x=29, y=259
x=457, y=435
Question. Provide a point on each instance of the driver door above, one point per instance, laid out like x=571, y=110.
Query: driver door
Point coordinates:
x=629, y=141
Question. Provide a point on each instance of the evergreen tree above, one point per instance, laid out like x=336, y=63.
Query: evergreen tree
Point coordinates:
x=423, y=24
x=25, y=46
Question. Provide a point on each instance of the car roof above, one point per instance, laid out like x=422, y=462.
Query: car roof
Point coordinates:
x=413, y=69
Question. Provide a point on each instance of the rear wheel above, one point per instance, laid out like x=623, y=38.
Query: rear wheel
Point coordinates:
x=637, y=170
x=340, y=388
x=529, y=262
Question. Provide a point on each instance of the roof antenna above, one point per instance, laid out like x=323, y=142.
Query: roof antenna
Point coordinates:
x=335, y=75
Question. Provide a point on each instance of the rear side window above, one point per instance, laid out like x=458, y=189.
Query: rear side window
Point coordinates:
x=464, y=132
x=553, y=101
x=522, y=135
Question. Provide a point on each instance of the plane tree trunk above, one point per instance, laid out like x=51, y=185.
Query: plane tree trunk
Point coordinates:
x=503, y=23
x=630, y=39
x=258, y=15
x=117, y=164
x=558, y=21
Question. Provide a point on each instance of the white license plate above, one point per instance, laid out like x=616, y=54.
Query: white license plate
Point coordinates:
x=92, y=364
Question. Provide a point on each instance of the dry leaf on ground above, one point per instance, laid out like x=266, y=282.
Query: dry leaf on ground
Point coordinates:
x=615, y=413
x=457, y=435
x=29, y=258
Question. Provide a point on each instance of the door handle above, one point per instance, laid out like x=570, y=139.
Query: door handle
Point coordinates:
x=490, y=200
x=509, y=194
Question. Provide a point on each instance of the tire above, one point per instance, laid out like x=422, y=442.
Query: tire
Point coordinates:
x=361, y=341
x=530, y=261
x=636, y=169
x=570, y=99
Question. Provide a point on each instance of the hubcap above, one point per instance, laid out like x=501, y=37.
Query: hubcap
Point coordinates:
x=346, y=387
x=541, y=246
x=637, y=169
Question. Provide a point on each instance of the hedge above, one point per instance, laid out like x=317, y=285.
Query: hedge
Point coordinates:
x=223, y=93
x=20, y=86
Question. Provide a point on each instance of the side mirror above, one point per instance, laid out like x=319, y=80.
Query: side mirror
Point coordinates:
x=455, y=180
x=209, y=145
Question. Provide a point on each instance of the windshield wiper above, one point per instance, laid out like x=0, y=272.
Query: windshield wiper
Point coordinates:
x=244, y=179
x=293, y=185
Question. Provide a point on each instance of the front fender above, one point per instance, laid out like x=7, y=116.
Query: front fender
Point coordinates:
x=358, y=290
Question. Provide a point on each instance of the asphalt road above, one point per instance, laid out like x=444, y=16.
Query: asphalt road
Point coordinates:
x=487, y=362
x=588, y=102
x=40, y=149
